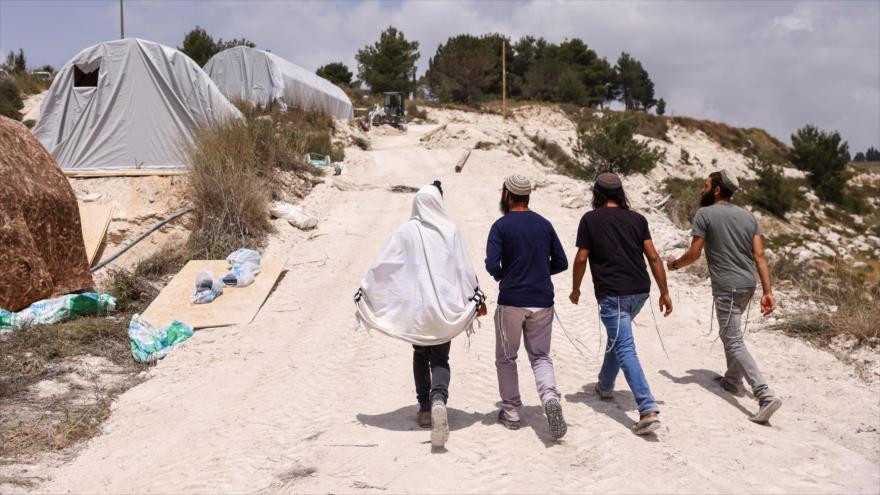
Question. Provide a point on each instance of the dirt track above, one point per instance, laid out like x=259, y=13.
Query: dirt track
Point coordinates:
x=296, y=402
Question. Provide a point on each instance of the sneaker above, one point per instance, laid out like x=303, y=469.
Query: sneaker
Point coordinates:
x=440, y=424
x=604, y=394
x=554, y=419
x=510, y=424
x=424, y=419
x=648, y=423
x=729, y=386
x=767, y=409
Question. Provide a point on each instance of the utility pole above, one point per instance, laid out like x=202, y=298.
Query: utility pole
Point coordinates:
x=503, y=79
x=121, y=21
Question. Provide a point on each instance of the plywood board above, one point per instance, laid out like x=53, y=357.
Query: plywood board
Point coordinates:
x=235, y=306
x=94, y=218
x=133, y=172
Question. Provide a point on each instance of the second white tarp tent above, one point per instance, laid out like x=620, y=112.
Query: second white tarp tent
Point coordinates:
x=128, y=104
x=261, y=78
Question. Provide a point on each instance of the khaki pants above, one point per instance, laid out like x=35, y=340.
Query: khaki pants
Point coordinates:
x=534, y=327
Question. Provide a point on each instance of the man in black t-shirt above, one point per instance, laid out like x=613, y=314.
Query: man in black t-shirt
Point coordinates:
x=616, y=241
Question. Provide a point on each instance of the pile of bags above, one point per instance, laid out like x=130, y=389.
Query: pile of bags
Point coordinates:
x=244, y=265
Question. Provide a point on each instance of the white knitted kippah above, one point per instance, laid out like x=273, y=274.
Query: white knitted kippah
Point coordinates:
x=729, y=180
x=518, y=184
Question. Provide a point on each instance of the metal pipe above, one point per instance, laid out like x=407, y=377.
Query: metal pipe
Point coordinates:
x=139, y=239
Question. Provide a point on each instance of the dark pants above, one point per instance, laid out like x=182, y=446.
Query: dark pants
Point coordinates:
x=431, y=372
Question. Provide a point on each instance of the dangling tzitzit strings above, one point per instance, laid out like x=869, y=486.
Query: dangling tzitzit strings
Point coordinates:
x=727, y=322
x=656, y=327
x=564, y=331
x=617, y=334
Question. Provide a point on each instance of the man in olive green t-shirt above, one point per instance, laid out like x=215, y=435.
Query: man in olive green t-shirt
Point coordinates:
x=734, y=249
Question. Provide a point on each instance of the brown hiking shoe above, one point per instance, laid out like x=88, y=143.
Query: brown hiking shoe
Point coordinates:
x=424, y=419
x=648, y=423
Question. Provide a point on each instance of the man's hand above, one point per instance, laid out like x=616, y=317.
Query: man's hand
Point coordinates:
x=482, y=311
x=768, y=304
x=665, y=304
x=575, y=296
x=669, y=262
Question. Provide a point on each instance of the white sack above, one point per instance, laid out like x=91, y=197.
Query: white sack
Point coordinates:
x=294, y=215
x=422, y=288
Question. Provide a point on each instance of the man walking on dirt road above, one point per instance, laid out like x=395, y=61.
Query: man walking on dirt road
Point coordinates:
x=423, y=290
x=522, y=252
x=734, y=248
x=616, y=240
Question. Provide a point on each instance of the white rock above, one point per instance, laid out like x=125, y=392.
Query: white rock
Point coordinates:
x=575, y=202
x=294, y=215
x=860, y=265
x=805, y=255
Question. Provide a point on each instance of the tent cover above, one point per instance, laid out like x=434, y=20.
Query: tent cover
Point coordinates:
x=260, y=77
x=128, y=104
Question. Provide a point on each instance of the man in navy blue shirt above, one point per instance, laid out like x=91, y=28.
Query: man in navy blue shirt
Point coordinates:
x=521, y=253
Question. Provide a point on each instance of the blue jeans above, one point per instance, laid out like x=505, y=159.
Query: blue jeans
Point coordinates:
x=617, y=313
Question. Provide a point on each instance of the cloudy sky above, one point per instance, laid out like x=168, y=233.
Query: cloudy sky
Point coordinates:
x=776, y=64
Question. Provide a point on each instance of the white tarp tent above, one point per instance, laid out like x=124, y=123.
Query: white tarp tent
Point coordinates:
x=128, y=104
x=260, y=77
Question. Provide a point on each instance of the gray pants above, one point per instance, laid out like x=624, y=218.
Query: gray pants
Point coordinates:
x=534, y=327
x=740, y=363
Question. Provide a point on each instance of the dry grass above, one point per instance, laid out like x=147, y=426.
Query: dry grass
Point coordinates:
x=832, y=284
x=562, y=161
x=30, y=424
x=750, y=142
x=233, y=174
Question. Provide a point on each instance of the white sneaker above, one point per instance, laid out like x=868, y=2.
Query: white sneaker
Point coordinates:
x=439, y=424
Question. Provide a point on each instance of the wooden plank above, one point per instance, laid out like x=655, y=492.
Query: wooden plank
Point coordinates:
x=430, y=133
x=94, y=219
x=236, y=306
x=462, y=160
x=134, y=172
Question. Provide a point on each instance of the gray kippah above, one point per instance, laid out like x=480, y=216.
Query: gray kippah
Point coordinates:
x=609, y=181
x=518, y=184
x=729, y=180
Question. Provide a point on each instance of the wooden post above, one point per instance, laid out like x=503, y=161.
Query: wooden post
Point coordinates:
x=503, y=79
x=121, y=21
x=459, y=165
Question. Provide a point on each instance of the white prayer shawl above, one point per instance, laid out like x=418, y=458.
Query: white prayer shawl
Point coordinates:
x=422, y=288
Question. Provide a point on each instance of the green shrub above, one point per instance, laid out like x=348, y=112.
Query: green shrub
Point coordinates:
x=772, y=191
x=684, y=200
x=609, y=145
x=10, y=100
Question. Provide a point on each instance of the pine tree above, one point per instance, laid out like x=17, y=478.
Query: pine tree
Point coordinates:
x=661, y=107
x=464, y=68
x=388, y=64
x=823, y=156
x=336, y=72
x=20, y=65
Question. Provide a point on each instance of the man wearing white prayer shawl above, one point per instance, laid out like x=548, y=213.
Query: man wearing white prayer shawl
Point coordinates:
x=423, y=290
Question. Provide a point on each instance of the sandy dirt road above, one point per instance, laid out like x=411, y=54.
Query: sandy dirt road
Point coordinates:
x=297, y=402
